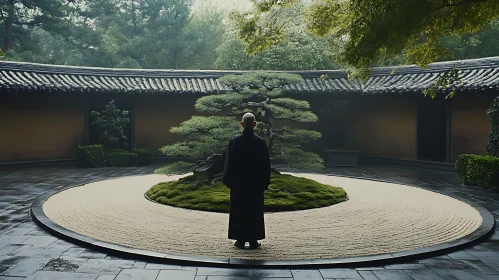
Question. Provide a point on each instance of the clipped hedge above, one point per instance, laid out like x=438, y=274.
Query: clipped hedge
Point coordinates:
x=96, y=156
x=120, y=158
x=144, y=156
x=91, y=156
x=481, y=171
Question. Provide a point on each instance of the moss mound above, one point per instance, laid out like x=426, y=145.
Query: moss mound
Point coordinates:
x=286, y=193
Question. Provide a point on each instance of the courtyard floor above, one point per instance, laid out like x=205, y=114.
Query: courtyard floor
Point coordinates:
x=28, y=252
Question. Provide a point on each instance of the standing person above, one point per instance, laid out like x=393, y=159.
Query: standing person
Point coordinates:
x=247, y=174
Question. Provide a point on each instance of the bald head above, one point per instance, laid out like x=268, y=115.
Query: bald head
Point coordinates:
x=248, y=121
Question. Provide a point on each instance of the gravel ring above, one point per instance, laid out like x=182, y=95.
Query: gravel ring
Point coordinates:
x=378, y=218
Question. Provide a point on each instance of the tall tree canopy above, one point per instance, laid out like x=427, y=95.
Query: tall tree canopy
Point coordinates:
x=299, y=51
x=371, y=29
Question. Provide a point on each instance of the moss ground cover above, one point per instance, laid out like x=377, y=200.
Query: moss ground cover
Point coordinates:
x=286, y=193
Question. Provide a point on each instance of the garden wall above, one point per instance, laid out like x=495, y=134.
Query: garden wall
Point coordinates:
x=470, y=125
x=40, y=126
x=156, y=114
x=384, y=126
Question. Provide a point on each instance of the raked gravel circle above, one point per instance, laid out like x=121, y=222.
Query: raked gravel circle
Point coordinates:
x=378, y=218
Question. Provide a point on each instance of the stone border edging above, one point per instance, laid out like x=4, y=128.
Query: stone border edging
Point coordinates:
x=481, y=233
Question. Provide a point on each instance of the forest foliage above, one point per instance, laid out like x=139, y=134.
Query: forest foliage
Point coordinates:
x=169, y=34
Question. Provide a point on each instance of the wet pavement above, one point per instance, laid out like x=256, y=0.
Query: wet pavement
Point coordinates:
x=28, y=252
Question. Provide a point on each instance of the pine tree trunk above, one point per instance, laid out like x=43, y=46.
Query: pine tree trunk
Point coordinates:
x=8, y=43
x=212, y=169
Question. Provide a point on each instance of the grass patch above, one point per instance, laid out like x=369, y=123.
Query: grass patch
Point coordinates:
x=286, y=193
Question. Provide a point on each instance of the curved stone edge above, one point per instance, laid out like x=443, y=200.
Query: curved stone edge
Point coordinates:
x=483, y=232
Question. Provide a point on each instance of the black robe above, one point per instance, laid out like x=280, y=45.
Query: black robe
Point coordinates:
x=247, y=174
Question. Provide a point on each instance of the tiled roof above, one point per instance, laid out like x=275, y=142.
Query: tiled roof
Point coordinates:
x=476, y=75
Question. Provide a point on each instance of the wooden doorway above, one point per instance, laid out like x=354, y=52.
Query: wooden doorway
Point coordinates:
x=433, y=130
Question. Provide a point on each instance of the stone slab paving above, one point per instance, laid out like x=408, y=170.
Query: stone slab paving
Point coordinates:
x=20, y=185
x=378, y=218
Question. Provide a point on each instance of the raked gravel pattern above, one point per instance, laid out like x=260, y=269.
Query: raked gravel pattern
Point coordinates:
x=378, y=218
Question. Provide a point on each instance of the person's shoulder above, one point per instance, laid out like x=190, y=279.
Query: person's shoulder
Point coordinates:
x=258, y=138
x=236, y=137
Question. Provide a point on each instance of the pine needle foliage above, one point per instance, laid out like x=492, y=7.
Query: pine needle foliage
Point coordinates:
x=111, y=124
x=260, y=93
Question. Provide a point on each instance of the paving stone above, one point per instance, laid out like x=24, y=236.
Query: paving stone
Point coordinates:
x=17, y=232
x=443, y=257
x=407, y=266
x=368, y=275
x=64, y=265
x=73, y=252
x=489, y=258
x=462, y=255
x=255, y=273
x=137, y=274
x=369, y=268
x=90, y=254
x=102, y=266
x=29, y=224
x=107, y=277
x=37, y=232
x=139, y=264
x=43, y=252
x=27, y=267
x=446, y=264
x=176, y=274
x=340, y=273
x=160, y=266
x=392, y=275
x=469, y=274
x=8, y=239
x=237, y=278
x=484, y=268
x=424, y=274
x=55, y=275
x=445, y=273
x=7, y=262
x=12, y=249
x=40, y=241
x=306, y=274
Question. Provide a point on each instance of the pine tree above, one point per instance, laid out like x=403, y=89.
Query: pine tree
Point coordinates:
x=493, y=144
x=111, y=124
x=261, y=94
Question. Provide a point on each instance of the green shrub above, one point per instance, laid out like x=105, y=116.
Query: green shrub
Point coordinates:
x=285, y=193
x=91, y=156
x=462, y=164
x=118, y=157
x=144, y=156
x=481, y=171
x=492, y=147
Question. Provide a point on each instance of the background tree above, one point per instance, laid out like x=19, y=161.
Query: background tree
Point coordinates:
x=298, y=51
x=262, y=94
x=372, y=29
x=203, y=35
x=493, y=144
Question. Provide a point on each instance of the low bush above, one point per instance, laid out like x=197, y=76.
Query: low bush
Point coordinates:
x=120, y=158
x=462, y=164
x=481, y=171
x=285, y=193
x=91, y=156
x=144, y=156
